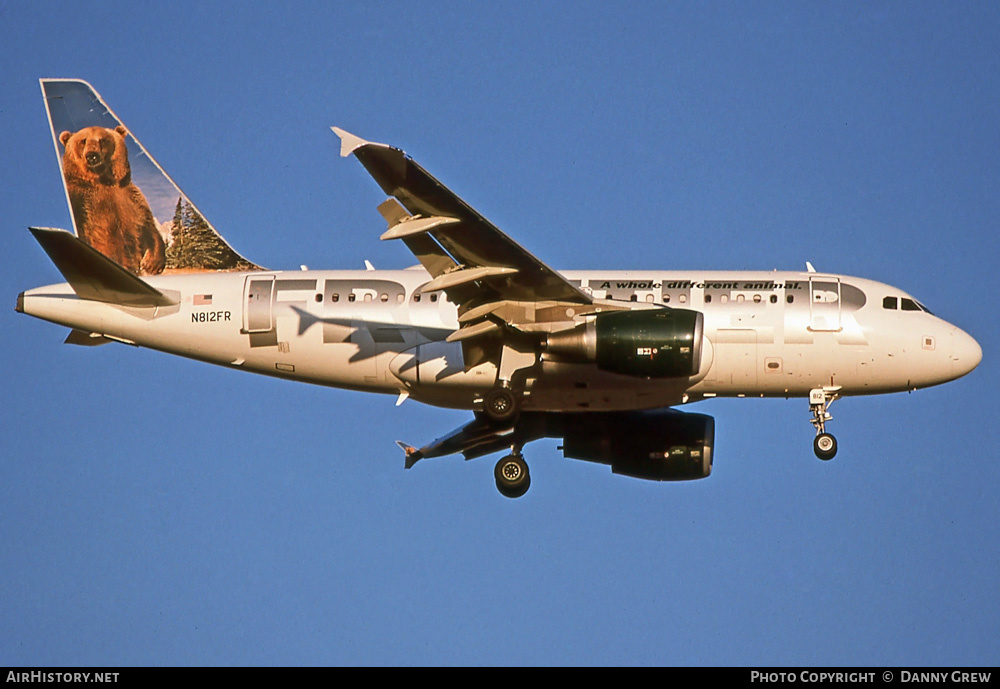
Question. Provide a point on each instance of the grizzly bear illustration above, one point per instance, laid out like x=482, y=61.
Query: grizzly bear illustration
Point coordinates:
x=110, y=212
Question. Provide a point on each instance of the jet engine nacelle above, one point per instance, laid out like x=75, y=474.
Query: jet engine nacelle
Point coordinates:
x=660, y=445
x=653, y=343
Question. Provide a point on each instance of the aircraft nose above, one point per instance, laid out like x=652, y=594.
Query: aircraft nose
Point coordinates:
x=965, y=353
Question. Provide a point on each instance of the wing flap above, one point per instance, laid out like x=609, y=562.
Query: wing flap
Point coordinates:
x=470, y=331
x=466, y=275
x=414, y=225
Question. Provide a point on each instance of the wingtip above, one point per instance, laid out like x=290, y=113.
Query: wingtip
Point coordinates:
x=412, y=453
x=349, y=143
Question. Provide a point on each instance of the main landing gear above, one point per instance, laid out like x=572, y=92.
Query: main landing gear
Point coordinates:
x=820, y=399
x=511, y=473
x=500, y=408
x=500, y=405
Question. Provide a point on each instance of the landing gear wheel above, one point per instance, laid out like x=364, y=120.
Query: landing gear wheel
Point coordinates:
x=500, y=405
x=512, y=476
x=825, y=446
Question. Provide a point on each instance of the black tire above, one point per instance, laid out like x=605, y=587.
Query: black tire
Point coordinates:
x=500, y=405
x=512, y=477
x=825, y=446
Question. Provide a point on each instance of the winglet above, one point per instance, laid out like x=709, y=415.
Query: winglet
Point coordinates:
x=348, y=142
x=94, y=276
x=412, y=454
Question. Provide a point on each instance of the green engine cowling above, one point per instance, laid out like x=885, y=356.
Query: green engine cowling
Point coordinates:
x=649, y=343
x=661, y=445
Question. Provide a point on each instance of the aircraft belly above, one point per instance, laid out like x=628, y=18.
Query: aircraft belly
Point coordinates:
x=563, y=387
x=753, y=362
x=734, y=369
x=435, y=373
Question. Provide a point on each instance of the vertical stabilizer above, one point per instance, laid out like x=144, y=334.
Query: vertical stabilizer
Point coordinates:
x=122, y=202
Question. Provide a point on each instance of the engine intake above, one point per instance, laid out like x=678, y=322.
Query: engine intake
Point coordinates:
x=653, y=343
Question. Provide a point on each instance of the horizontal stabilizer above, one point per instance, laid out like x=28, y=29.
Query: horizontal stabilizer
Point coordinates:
x=84, y=339
x=94, y=276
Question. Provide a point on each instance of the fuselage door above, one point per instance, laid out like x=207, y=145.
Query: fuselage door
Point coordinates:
x=824, y=303
x=257, y=299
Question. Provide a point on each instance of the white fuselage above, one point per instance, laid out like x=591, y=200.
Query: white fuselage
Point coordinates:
x=766, y=334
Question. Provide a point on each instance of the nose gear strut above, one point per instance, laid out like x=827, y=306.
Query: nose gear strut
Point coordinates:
x=820, y=399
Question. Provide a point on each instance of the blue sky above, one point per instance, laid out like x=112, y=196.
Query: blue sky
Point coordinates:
x=155, y=510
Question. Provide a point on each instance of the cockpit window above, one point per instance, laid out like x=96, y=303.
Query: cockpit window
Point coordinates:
x=904, y=303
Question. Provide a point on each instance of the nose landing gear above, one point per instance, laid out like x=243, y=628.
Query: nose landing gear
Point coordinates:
x=820, y=399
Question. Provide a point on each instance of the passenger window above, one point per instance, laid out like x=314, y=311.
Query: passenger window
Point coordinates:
x=384, y=297
x=334, y=297
x=416, y=296
x=351, y=297
x=774, y=298
x=319, y=297
x=756, y=299
x=666, y=298
x=708, y=298
x=434, y=297
x=790, y=298
x=889, y=303
x=683, y=299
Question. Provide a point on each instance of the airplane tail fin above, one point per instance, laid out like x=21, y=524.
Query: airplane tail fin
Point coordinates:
x=123, y=203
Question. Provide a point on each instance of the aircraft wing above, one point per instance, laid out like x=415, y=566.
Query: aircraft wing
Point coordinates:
x=496, y=283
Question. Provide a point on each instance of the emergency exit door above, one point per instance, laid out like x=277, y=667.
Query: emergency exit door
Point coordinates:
x=257, y=304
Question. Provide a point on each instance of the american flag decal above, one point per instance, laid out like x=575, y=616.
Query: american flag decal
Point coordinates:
x=202, y=299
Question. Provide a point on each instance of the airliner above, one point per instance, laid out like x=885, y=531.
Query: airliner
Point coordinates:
x=598, y=359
